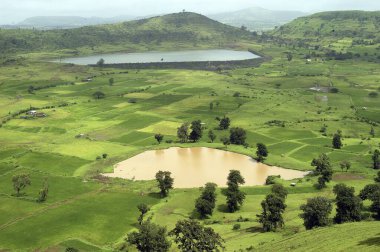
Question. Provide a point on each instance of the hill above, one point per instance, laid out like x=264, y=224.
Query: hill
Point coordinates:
x=256, y=18
x=333, y=25
x=338, y=35
x=181, y=28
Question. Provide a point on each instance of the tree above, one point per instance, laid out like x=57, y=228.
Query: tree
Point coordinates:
x=190, y=235
x=225, y=140
x=377, y=179
x=99, y=95
x=280, y=191
x=324, y=169
x=224, y=123
x=316, y=212
x=235, y=197
x=196, y=131
x=289, y=56
x=238, y=136
x=372, y=132
x=43, y=193
x=111, y=81
x=345, y=165
x=143, y=208
x=271, y=216
x=20, y=181
x=211, y=136
x=211, y=105
x=205, y=204
x=349, y=206
x=159, y=138
x=337, y=140
x=261, y=152
x=100, y=63
x=183, y=132
x=376, y=159
x=150, y=237
x=375, y=207
x=165, y=182
x=372, y=192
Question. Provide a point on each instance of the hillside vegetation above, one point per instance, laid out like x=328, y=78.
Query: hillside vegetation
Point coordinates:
x=339, y=35
x=187, y=28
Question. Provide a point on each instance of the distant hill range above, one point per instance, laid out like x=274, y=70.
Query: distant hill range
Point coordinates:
x=256, y=18
x=66, y=22
x=188, y=29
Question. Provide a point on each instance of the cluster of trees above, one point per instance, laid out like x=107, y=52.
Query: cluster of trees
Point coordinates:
x=184, y=134
x=21, y=181
x=349, y=207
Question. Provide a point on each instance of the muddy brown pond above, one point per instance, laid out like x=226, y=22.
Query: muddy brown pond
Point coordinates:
x=194, y=167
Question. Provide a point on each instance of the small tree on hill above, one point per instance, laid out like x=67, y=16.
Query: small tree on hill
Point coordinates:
x=183, y=132
x=190, y=235
x=235, y=197
x=261, y=152
x=372, y=132
x=196, y=131
x=143, y=208
x=211, y=136
x=149, y=237
x=159, y=138
x=238, y=136
x=165, y=182
x=324, y=169
x=205, y=204
x=345, y=165
x=289, y=56
x=20, y=181
x=224, y=123
x=99, y=95
x=43, y=193
x=337, y=140
x=349, y=206
x=316, y=212
x=376, y=159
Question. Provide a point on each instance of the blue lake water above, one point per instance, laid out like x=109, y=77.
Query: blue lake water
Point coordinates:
x=155, y=57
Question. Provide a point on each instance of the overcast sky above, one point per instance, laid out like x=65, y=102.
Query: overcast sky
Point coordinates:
x=12, y=11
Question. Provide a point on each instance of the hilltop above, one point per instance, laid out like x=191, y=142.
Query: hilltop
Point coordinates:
x=257, y=18
x=181, y=28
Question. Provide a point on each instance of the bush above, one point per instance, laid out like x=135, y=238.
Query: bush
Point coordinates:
x=271, y=180
x=236, y=227
x=373, y=94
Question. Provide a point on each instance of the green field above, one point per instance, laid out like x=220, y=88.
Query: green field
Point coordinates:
x=92, y=213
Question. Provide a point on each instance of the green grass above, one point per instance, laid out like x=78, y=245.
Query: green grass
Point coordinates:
x=95, y=215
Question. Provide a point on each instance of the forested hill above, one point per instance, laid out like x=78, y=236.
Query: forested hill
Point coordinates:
x=333, y=25
x=187, y=28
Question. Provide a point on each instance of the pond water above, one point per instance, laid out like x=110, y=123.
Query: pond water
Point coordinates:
x=194, y=167
x=155, y=57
